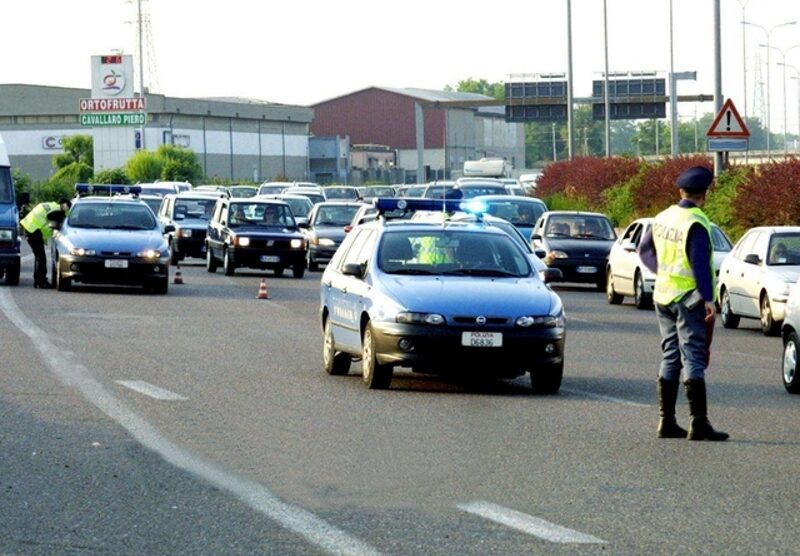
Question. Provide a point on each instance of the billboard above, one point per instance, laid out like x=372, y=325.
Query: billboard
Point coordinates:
x=536, y=101
x=635, y=97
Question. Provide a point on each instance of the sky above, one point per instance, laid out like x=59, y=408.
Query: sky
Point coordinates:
x=304, y=51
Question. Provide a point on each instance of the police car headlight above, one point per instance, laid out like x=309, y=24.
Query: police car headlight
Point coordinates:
x=149, y=254
x=183, y=232
x=81, y=252
x=559, y=254
x=326, y=242
x=243, y=241
x=6, y=235
x=296, y=243
x=550, y=321
x=434, y=319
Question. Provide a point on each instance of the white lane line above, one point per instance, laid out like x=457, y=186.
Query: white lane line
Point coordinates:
x=151, y=390
x=528, y=524
x=602, y=397
x=63, y=364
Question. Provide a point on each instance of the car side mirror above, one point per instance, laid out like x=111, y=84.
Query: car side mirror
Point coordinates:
x=552, y=275
x=303, y=225
x=169, y=228
x=180, y=216
x=347, y=229
x=541, y=253
x=353, y=269
x=536, y=237
x=629, y=246
x=752, y=258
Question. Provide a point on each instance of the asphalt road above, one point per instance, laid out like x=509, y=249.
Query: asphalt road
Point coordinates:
x=201, y=422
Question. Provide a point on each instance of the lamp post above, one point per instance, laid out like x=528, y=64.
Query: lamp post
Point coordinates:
x=781, y=63
x=768, y=32
x=796, y=77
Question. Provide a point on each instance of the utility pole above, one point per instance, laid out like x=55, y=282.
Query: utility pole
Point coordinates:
x=719, y=163
x=570, y=100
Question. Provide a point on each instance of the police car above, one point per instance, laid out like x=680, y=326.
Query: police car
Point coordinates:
x=444, y=298
x=113, y=239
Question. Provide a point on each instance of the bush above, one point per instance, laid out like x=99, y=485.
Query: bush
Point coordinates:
x=144, y=166
x=721, y=198
x=112, y=175
x=179, y=164
x=655, y=189
x=562, y=201
x=769, y=196
x=586, y=178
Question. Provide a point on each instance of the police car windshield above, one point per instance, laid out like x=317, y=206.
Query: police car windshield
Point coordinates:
x=111, y=216
x=452, y=252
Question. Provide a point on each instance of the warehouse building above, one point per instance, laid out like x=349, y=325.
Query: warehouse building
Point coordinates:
x=233, y=138
x=453, y=132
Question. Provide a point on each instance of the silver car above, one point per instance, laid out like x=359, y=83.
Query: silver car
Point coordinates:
x=791, y=343
x=755, y=280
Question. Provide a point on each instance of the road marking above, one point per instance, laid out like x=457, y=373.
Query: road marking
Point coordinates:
x=602, y=397
x=151, y=390
x=528, y=524
x=63, y=364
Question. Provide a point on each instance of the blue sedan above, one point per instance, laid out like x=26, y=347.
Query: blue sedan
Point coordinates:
x=448, y=298
x=110, y=240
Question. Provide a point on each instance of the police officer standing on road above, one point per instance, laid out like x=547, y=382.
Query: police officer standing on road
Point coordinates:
x=679, y=250
x=38, y=230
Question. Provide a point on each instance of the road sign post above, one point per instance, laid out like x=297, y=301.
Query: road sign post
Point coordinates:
x=728, y=131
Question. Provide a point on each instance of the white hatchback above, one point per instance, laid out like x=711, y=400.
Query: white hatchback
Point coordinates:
x=757, y=277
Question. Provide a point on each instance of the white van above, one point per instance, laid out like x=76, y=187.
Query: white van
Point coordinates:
x=487, y=168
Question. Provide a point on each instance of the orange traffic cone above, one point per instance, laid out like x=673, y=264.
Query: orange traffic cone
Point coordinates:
x=262, y=290
x=178, y=278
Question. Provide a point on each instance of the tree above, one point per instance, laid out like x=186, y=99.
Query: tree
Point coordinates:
x=78, y=148
x=112, y=175
x=481, y=86
x=179, y=164
x=144, y=166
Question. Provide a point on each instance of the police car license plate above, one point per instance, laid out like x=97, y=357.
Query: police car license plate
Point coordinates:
x=116, y=263
x=586, y=269
x=482, y=339
x=270, y=259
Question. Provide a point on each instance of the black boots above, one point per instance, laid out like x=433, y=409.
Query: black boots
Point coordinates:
x=700, y=428
x=667, y=396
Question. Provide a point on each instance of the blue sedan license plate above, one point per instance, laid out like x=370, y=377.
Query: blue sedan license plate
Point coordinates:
x=482, y=339
x=270, y=259
x=116, y=263
x=586, y=269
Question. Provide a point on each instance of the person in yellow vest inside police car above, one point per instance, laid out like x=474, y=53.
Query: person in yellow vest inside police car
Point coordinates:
x=38, y=226
x=678, y=249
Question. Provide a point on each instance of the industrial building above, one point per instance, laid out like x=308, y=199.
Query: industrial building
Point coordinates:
x=233, y=138
x=453, y=133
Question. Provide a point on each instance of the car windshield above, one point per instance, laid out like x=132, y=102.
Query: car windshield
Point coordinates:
x=300, y=207
x=784, y=250
x=271, y=189
x=153, y=202
x=5, y=185
x=580, y=226
x=719, y=240
x=111, y=216
x=452, y=252
x=335, y=215
x=242, y=191
x=519, y=213
x=437, y=191
x=199, y=209
x=261, y=214
x=341, y=193
x=416, y=191
x=469, y=190
x=379, y=192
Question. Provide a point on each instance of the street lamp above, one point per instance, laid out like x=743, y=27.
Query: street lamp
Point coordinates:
x=782, y=63
x=768, y=32
x=796, y=77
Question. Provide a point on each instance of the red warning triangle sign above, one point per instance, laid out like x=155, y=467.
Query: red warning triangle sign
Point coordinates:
x=728, y=123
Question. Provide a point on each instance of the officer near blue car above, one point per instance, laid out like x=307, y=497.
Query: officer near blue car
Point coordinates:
x=38, y=226
x=678, y=249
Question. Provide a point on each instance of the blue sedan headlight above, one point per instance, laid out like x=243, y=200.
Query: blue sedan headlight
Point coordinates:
x=149, y=254
x=550, y=321
x=420, y=318
x=81, y=252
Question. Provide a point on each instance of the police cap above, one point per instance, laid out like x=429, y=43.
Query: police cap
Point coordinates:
x=696, y=179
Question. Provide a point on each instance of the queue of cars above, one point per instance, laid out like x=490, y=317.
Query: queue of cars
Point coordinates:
x=117, y=239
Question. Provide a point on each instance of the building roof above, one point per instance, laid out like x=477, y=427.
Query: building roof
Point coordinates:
x=430, y=95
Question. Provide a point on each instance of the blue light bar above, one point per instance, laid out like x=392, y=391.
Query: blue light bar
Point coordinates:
x=390, y=204
x=106, y=189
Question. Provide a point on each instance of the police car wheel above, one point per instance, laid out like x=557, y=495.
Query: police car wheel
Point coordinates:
x=174, y=257
x=298, y=271
x=375, y=375
x=546, y=379
x=334, y=363
x=12, y=275
x=313, y=266
x=726, y=315
x=791, y=378
x=62, y=284
x=160, y=286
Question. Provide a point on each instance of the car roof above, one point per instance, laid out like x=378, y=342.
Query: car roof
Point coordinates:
x=340, y=203
x=422, y=225
x=551, y=213
x=109, y=199
x=509, y=198
x=776, y=229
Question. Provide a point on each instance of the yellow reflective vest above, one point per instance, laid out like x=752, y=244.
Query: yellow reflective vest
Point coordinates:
x=675, y=277
x=37, y=219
